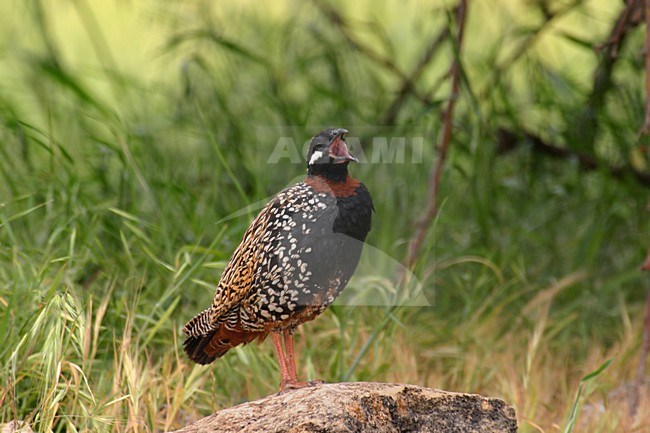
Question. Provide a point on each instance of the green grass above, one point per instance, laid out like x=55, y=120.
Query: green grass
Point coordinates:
x=129, y=158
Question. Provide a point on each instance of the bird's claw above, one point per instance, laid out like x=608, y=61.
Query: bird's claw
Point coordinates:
x=292, y=385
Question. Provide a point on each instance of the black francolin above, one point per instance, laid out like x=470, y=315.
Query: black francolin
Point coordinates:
x=296, y=257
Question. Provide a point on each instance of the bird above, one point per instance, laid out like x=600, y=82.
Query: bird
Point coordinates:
x=295, y=258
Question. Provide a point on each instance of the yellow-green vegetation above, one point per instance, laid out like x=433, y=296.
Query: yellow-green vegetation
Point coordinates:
x=131, y=132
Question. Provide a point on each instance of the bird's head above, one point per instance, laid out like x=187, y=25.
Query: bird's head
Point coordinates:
x=328, y=152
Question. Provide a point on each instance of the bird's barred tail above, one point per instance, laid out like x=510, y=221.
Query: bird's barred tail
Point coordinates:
x=199, y=334
x=205, y=344
x=195, y=348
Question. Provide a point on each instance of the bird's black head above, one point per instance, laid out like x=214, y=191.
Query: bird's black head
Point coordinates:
x=329, y=155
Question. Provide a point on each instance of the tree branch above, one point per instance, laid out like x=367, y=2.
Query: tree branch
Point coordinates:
x=583, y=130
x=423, y=224
x=525, y=45
x=646, y=122
x=630, y=17
x=379, y=58
x=408, y=85
x=508, y=140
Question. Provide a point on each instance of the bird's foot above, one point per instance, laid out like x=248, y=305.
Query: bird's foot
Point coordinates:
x=290, y=385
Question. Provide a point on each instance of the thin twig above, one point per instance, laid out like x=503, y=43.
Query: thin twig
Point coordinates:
x=646, y=123
x=415, y=243
x=524, y=46
x=341, y=23
x=408, y=85
x=584, y=128
x=381, y=59
x=630, y=17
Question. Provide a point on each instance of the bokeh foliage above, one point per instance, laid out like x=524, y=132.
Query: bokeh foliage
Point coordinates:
x=132, y=131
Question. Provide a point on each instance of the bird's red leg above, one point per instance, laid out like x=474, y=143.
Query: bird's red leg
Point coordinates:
x=291, y=360
x=277, y=344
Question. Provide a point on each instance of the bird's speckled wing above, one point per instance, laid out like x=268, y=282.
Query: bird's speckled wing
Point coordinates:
x=236, y=278
x=259, y=261
x=291, y=257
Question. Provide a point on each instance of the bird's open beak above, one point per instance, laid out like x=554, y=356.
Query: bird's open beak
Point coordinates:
x=339, y=149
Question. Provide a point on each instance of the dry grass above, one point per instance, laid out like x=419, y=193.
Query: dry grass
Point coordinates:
x=123, y=173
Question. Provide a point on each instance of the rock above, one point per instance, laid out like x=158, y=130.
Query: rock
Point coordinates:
x=15, y=427
x=363, y=407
